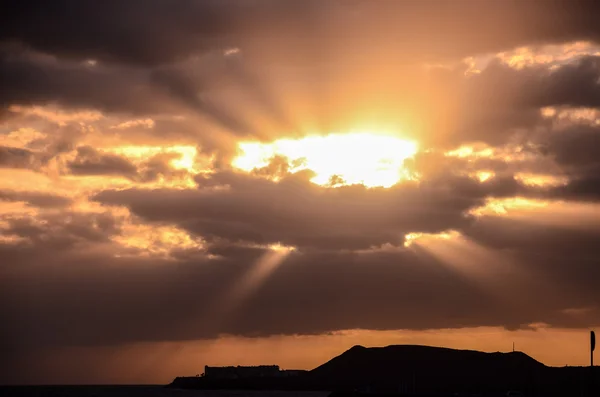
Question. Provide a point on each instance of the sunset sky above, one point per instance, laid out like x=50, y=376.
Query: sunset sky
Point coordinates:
x=222, y=182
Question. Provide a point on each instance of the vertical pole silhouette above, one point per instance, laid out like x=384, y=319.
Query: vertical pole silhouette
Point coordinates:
x=592, y=347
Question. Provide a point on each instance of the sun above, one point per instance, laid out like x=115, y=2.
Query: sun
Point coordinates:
x=373, y=160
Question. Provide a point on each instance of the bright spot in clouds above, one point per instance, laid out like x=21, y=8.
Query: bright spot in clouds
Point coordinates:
x=483, y=176
x=186, y=155
x=412, y=238
x=507, y=205
x=471, y=151
x=541, y=180
x=147, y=240
x=359, y=158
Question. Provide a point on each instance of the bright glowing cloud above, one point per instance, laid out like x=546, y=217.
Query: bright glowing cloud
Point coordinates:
x=149, y=240
x=358, y=158
x=556, y=213
x=157, y=167
x=507, y=205
x=554, y=54
x=20, y=137
x=57, y=115
x=145, y=123
x=471, y=151
x=412, y=238
x=568, y=115
x=186, y=159
x=483, y=176
x=541, y=180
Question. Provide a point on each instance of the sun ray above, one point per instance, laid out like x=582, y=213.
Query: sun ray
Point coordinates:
x=489, y=270
x=248, y=283
x=256, y=275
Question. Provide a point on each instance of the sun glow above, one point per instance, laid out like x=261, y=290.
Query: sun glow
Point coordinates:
x=338, y=159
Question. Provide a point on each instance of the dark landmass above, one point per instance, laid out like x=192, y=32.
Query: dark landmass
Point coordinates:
x=422, y=370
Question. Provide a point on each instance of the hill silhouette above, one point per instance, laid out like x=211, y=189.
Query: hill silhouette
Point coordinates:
x=409, y=367
x=413, y=369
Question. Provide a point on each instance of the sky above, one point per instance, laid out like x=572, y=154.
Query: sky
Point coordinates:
x=222, y=182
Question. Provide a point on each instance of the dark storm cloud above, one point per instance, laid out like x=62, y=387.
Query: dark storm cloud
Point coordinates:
x=299, y=213
x=193, y=82
x=194, y=289
x=89, y=161
x=159, y=31
x=560, y=255
x=501, y=101
x=33, y=79
x=575, y=149
x=574, y=83
x=581, y=188
x=137, y=31
x=308, y=294
x=565, y=149
x=529, y=236
x=186, y=89
x=56, y=231
x=29, y=79
x=35, y=199
x=12, y=157
x=312, y=291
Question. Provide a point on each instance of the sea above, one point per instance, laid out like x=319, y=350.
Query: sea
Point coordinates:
x=141, y=391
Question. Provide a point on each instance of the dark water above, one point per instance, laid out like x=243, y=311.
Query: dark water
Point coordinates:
x=138, y=391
